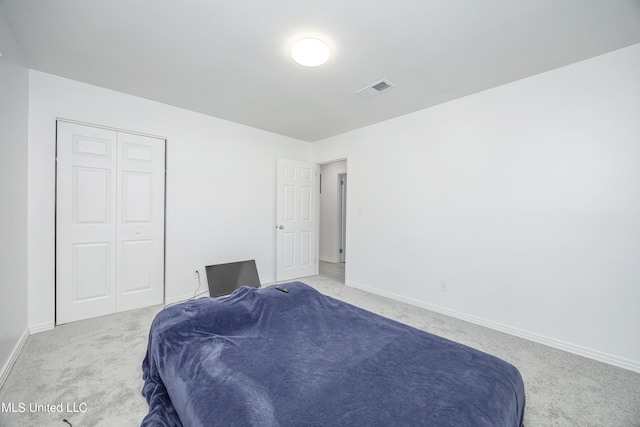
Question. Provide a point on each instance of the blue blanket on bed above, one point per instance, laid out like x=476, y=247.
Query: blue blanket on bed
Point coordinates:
x=262, y=357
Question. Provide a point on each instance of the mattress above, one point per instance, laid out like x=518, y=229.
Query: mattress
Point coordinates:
x=266, y=357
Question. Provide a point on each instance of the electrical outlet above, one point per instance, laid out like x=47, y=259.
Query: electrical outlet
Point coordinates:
x=443, y=285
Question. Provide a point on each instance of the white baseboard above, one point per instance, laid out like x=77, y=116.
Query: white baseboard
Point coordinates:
x=334, y=260
x=42, y=327
x=531, y=336
x=12, y=359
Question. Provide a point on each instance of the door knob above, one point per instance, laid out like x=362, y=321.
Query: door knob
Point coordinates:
x=281, y=227
x=138, y=231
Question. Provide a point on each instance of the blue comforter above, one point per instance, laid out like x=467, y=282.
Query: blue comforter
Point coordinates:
x=262, y=357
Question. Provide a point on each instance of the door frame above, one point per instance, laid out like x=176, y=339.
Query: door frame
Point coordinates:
x=55, y=201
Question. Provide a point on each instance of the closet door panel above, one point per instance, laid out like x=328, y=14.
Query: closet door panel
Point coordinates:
x=109, y=222
x=85, y=222
x=140, y=236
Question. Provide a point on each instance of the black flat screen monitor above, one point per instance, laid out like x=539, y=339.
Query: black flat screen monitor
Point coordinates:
x=226, y=278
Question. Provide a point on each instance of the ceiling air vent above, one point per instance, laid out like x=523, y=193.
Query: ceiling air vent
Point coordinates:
x=375, y=88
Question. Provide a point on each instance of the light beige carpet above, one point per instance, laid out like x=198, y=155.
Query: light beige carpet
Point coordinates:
x=94, y=366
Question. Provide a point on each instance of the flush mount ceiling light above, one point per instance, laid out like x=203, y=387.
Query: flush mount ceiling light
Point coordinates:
x=310, y=52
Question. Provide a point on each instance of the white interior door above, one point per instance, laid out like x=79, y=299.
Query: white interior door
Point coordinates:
x=109, y=222
x=140, y=231
x=85, y=222
x=296, y=215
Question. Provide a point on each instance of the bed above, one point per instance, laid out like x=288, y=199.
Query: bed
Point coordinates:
x=295, y=357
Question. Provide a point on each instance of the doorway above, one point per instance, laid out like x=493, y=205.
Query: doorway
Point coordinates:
x=342, y=216
x=333, y=220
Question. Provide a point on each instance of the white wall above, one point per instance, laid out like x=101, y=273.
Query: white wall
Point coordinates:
x=329, y=215
x=14, y=96
x=525, y=198
x=220, y=187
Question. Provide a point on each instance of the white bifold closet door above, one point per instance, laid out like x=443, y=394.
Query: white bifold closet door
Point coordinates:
x=109, y=221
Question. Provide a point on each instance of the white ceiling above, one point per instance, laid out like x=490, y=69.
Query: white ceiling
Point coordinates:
x=230, y=59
